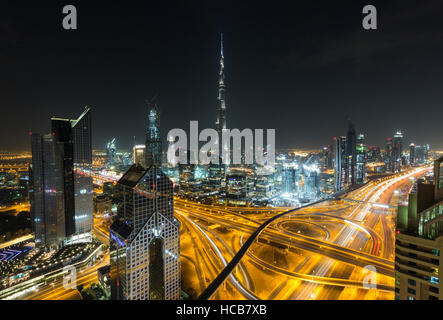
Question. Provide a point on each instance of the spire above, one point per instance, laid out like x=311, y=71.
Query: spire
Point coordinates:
x=221, y=112
x=221, y=46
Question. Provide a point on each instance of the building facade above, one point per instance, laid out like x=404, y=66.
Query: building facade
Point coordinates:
x=61, y=189
x=144, y=238
x=340, y=163
x=153, y=150
x=419, y=242
x=361, y=159
x=351, y=155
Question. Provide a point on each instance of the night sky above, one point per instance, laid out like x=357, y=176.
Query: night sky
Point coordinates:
x=300, y=68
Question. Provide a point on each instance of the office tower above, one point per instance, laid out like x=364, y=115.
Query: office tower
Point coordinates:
x=311, y=180
x=328, y=157
x=264, y=182
x=419, y=242
x=48, y=219
x=62, y=190
x=139, y=155
x=153, y=150
x=144, y=238
x=340, y=163
x=111, y=152
x=288, y=176
x=216, y=176
x=397, y=151
x=83, y=184
x=388, y=156
x=427, y=148
x=220, y=123
x=361, y=159
x=238, y=188
x=351, y=155
x=412, y=154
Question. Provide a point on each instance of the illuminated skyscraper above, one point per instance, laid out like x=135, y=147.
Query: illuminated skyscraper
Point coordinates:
x=412, y=154
x=397, y=151
x=351, y=155
x=340, y=163
x=289, y=179
x=111, y=152
x=153, y=151
x=61, y=182
x=216, y=174
x=139, y=154
x=144, y=238
x=388, y=157
x=48, y=223
x=83, y=186
x=221, y=111
x=419, y=241
x=360, y=161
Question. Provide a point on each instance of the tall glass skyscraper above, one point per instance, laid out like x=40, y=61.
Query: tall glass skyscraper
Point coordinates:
x=61, y=182
x=397, y=151
x=83, y=185
x=153, y=150
x=220, y=123
x=144, y=238
x=47, y=214
x=361, y=159
x=340, y=163
x=111, y=152
x=351, y=150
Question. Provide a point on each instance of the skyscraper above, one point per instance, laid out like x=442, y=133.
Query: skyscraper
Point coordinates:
x=220, y=123
x=419, y=242
x=61, y=182
x=216, y=174
x=83, y=185
x=388, y=157
x=397, y=151
x=351, y=155
x=360, y=161
x=139, y=154
x=144, y=238
x=340, y=163
x=412, y=154
x=111, y=152
x=48, y=221
x=288, y=176
x=153, y=150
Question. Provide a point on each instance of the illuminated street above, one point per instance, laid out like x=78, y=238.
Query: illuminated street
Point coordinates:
x=290, y=259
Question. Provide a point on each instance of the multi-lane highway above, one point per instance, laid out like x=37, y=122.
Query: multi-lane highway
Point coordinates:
x=318, y=252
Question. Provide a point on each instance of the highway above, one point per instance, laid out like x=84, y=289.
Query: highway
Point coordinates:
x=317, y=252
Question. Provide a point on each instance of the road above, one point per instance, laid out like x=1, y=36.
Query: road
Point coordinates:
x=316, y=253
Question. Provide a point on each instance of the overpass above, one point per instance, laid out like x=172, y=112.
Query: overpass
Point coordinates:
x=210, y=290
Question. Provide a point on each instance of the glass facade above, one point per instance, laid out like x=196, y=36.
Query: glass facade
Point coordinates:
x=146, y=229
x=430, y=223
x=61, y=183
x=83, y=186
x=156, y=267
x=440, y=177
x=153, y=150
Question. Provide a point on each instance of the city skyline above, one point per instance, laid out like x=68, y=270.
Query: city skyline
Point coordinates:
x=278, y=68
x=221, y=151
